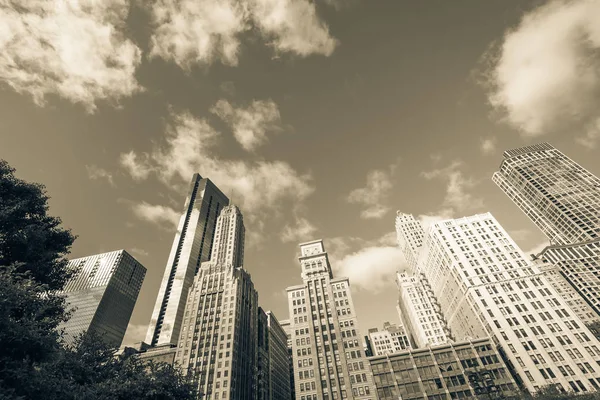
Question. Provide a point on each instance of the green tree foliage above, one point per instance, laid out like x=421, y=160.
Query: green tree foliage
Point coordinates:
x=551, y=393
x=33, y=362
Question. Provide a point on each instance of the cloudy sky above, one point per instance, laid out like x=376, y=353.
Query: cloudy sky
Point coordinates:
x=318, y=118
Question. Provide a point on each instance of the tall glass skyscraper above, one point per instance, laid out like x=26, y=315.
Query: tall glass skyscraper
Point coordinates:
x=192, y=245
x=103, y=293
x=329, y=359
x=487, y=287
x=218, y=343
x=560, y=196
x=563, y=199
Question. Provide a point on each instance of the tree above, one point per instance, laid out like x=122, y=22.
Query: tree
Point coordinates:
x=91, y=371
x=552, y=393
x=33, y=247
x=33, y=362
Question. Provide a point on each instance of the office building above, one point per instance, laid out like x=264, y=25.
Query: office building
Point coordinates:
x=287, y=328
x=560, y=196
x=102, y=292
x=574, y=300
x=329, y=359
x=264, y=370
x=471, y=369
x=391, y=339
x=191, y=247
x=486, y=287
x=219, y=333
x=563, y=199
x=419, y=312
x=273, y=359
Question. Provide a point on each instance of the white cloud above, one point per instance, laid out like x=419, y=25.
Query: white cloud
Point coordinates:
x=546, y=75
x=190, y=32
x=250, y=125
x=200, y=32
x=371, y=268
x=293, y=26
x=161, y=215
x=137, y=169
x=95, y=172
x=301, y=231
x=488, y=146
x=75, y=49
x=372, y=196
x=370, y=264
x=458, y=196
x=260, y=187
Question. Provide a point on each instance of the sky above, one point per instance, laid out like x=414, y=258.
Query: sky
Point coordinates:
x=319, y=119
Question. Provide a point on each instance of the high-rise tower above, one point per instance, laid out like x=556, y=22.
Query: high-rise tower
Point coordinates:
x=418, y=307
x=329, y=359
x=487, y=287
x=218, y=343
x=103, y=291
x=563, y=199
x=560, y=196
x=192, y=245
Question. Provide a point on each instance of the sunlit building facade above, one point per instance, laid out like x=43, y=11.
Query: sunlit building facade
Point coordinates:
x=191, y=247
x=574, y=300
x=418, y=310
x=329, y=359
x=218, y=343
x=487, y=288
x=102, y=292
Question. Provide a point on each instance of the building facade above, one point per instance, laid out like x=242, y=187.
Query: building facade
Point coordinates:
x=279, y=379
x=487, y=288
x=219, y=335
x=103, y=293
x=579, y=264
x=419, y=311
x=563, y=199
x=574, y=300
x=560, y=196
x=391, y=339
x=452, y=371
x=263, y=384
x=329, y=359
x=191, y=247
x=287, y=328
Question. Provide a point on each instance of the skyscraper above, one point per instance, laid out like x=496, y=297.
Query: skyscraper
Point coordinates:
x=329, y=359
x=487, y=287
x=418, y=306
x=560, y=196
x=219, y=333
x=273, y=363
x=192, y=245
x=563, y=199
x=103, y=292
x=419, y=312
